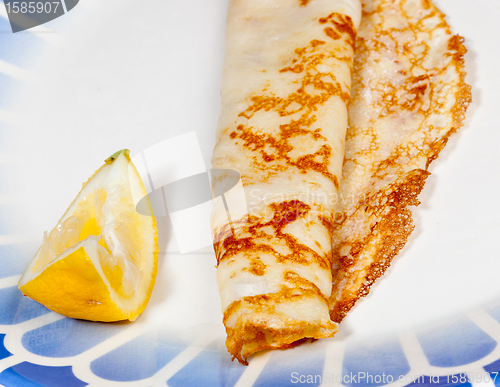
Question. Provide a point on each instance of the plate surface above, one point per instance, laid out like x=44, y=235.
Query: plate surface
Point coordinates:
x=122, y=74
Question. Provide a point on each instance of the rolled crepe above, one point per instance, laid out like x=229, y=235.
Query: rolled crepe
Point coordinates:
x=285, y=92
x=408, y=96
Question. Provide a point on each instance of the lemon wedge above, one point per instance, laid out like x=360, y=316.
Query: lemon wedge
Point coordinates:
x=99, y=263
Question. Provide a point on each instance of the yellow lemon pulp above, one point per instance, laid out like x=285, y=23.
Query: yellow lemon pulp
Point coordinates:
x=99, y=262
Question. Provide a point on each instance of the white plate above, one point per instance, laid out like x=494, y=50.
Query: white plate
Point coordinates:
x=121, y=74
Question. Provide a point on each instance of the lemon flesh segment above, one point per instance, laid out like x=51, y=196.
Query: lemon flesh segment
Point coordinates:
x=99, y=262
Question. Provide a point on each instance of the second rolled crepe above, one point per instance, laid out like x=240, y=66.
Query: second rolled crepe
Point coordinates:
x=285, y=92
x=408, y=97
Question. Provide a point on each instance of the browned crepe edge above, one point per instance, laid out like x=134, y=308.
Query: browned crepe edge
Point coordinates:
x=394, y=228
x=258, y=327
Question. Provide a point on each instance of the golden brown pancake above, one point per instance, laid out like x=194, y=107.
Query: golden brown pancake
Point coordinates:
x=285, y=91
x=285, y=95
x=408, y=96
